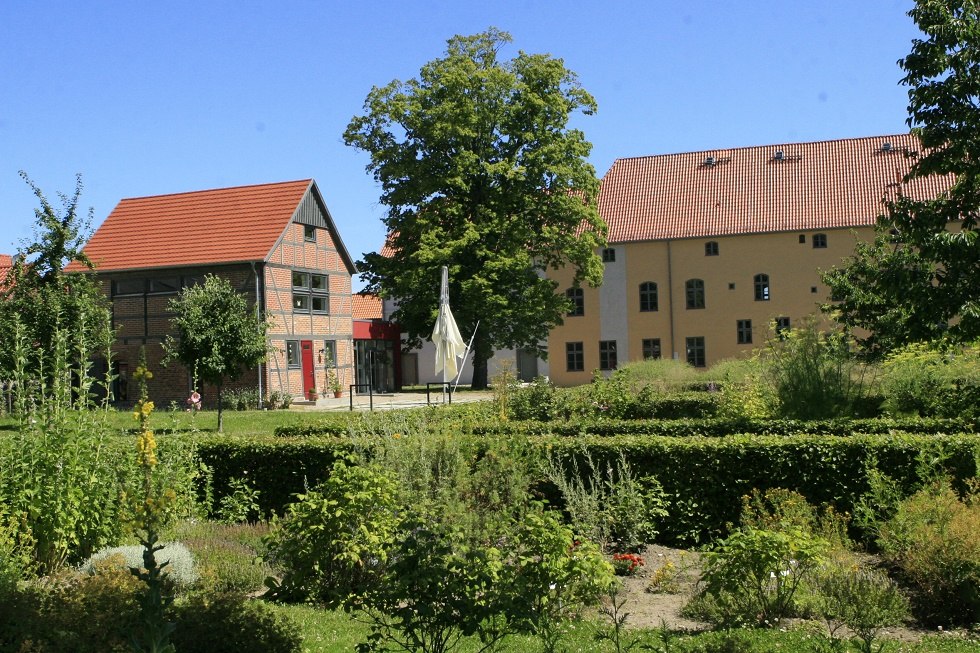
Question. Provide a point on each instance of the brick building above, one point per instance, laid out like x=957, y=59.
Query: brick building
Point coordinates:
x=707, y=249
x=276, y=243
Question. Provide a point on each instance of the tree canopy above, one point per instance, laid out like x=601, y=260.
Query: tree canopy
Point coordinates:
x=481, y=172
x=41, y=302
x=218, y=336
x=920, y=278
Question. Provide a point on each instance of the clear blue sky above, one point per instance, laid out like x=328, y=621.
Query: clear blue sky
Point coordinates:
x=163, y=97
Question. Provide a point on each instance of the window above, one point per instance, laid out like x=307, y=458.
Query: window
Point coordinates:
x=309, y=233
x=607, y=354
x=782, y=325
x=574, y=356
x=761, y=283
x=743, y=329
x=695, y=293
x=711, y=248
x=651, y=348
x=292, y=353
x=813, y=289
x=648, y=296
x=609, y=255
x=310, y=293
x=330, y=353
x=577, y=297
x=802, y=238
x=165, y=285
x=695, y=351
x=128, y=287
x=819, y=241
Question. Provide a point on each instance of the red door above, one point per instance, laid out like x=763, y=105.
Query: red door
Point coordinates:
x=306, y=357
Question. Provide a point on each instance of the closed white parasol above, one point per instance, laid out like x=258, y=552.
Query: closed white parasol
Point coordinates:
x=449, y=344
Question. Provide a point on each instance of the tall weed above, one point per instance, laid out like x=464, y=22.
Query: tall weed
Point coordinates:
x=610, y=506
x=59, y=477
x=930, y=381
x=813, y=374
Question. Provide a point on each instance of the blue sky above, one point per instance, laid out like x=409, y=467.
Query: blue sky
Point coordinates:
x=153, y=98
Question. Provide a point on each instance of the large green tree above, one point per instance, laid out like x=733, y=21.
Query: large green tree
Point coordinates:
x=481, y=172
x=920, y=278
x=40, y=302
x=217, y=335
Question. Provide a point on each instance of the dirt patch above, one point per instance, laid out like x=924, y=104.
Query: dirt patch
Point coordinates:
x=658, y=592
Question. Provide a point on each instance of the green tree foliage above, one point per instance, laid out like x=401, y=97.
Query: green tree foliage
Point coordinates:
x=920, y=278
x=40, y=300
x=480, y=172
x=218, y=336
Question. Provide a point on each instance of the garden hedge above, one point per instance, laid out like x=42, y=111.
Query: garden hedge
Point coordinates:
x=703, y=477
x=277, y=467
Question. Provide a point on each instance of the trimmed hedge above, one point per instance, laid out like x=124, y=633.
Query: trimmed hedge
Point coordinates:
x=706, y=478
x=719, y=427
x=278, y=468
x=711, y=427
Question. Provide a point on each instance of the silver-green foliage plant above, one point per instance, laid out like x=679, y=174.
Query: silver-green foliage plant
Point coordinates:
x=609, y=505
x=864, y=600
x=176, y=559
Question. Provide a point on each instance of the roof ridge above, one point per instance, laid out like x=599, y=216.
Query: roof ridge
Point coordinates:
x=223, y=188
x=761, y=147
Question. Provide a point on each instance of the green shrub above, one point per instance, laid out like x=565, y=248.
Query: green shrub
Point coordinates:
x=925, y=380
x=241, y=504
x=662, y=375
x=752, y=576
x=333, y=543
x=813, y=375
x=932, y=539
x=278, y=399
x=864, y=600
x=442, y=586
x=609, y=505
x=227, y=555
x=279, y=468
x=231, y=623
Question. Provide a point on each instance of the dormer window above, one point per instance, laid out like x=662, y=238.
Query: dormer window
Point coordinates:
x=309, y=233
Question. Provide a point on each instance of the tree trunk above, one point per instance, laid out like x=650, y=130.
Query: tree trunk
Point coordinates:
x=479, y=373
x=481, y=354
x=221, y=424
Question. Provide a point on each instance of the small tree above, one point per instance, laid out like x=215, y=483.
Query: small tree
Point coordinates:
x=40, y=300
x=218, y=337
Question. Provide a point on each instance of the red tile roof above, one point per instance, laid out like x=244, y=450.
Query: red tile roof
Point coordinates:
x=224, y=225
x=367, y=307
x=823, y=185
x=6, y=263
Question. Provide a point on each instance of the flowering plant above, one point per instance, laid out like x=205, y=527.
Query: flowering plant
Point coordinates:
x=627, y=564
x=194, y=401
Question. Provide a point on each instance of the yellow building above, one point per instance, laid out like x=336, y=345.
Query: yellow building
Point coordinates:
x=707, y=249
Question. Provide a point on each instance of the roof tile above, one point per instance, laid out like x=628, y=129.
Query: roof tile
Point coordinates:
x=224, y=225
x=790, y=187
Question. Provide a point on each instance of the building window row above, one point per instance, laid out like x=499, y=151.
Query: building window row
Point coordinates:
x=575, y=356
x=648, y=296
x=310, y=293
x=153, y=285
